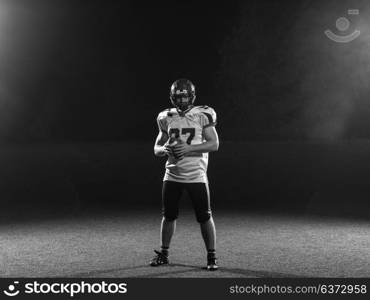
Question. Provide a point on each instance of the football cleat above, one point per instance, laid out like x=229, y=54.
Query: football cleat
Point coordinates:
x=159, y=259
x=212, y=263
x=182, y=94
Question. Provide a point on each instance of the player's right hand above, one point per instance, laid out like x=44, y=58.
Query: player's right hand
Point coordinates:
x=168, y=150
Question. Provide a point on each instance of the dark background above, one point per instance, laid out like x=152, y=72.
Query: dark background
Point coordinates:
x=81, y=84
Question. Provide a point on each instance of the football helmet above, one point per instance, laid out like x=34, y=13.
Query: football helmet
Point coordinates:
x=182, y=94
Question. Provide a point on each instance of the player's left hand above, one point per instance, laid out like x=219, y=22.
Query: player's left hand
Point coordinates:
x=181, y=149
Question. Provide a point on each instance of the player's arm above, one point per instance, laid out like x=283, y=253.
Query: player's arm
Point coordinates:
x=211, y=143
x=161, y=146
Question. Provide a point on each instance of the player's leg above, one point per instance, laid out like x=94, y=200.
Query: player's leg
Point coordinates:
x=208, y=230
x=199, y=194
x=171, y=194
x=168, y=228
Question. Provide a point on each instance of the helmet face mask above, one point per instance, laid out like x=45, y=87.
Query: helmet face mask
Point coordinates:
x=182, y=94
x=182, y=102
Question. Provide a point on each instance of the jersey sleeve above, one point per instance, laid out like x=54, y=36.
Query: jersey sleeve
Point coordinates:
x=209, y=117
x=161, y=122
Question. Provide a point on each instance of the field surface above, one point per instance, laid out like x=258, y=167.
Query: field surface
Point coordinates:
x=249, y=245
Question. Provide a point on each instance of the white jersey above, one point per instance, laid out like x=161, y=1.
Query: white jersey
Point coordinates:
x=187, y=126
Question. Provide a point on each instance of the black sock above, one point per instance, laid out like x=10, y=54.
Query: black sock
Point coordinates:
x=211, y=253
x=164, y=250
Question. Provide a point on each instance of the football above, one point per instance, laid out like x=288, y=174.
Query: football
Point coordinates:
x=172, y=143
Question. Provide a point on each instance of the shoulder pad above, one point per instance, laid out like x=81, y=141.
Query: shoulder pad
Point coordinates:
x=171, y=112
x=204, y=108
x=162, y=114
x=209, y=113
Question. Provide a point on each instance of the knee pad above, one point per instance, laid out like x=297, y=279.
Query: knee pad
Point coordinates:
x=203, y=217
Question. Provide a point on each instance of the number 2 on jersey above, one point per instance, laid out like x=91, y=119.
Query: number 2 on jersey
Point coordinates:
x=184, y=131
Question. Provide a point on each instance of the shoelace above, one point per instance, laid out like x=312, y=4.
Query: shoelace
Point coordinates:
x=160, y=256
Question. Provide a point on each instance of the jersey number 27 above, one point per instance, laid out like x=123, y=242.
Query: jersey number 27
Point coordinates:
x=184, y=131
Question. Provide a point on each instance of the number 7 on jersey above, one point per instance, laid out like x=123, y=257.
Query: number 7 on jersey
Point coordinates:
x=184, y=131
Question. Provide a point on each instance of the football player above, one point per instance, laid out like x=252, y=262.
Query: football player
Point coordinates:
x=186, y=135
